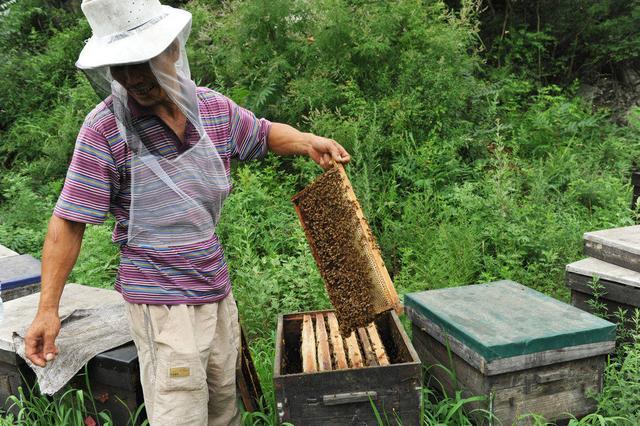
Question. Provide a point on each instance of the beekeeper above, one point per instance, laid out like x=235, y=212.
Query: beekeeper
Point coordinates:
x=156, y=154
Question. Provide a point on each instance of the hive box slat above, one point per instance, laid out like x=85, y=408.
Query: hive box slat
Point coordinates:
x=324, y=356
x=369, y=356
x=344, y=397
x=308, y=345
x=336, y=342
x=376, y=345
x=526, y=352
x=619, y=246
x=355, y=356
x=620, y=287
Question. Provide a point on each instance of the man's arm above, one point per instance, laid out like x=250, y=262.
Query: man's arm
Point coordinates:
x=59, y=254
x=286, y=140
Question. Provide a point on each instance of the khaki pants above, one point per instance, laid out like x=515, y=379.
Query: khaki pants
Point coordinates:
x=188, y=357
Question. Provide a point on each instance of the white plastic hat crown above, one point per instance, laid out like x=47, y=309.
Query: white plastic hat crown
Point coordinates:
x=108, y=17
x=129, y=31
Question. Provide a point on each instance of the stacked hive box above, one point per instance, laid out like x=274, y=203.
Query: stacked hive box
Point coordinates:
x=612, y=271
x=526, y=352
x=19, y=274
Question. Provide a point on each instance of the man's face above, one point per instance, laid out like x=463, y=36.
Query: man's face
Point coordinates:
x=140, y=83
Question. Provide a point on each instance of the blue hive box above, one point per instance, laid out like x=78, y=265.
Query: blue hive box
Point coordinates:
x=526, y=352
x=19, y=276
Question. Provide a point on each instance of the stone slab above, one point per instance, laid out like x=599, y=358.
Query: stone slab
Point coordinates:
x=505, y=319
x=19, y=313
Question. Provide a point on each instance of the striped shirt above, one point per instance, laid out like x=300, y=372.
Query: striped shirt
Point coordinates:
x=99, y=181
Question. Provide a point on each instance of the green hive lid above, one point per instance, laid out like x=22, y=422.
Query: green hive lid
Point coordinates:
x=504, y=319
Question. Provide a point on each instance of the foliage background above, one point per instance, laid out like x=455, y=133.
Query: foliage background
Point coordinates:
x=473, y=157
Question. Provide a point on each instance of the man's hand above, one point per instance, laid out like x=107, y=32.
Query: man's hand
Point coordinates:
x=285, y=140
x=60, y=251
x=40, y=339
x=325, y=152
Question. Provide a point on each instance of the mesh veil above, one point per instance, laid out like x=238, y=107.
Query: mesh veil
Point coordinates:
x=174, y=201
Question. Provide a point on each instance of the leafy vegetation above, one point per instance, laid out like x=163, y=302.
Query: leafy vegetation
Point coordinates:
x=473, y=157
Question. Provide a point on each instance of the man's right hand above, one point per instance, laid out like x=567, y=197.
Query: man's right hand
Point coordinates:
x=40, y=339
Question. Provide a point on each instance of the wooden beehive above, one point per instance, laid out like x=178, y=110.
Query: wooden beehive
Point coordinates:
x=526, y=352
x=19, y=275
x=338, y=379
x=618, y=246
x=345, y=250
x=619, y=287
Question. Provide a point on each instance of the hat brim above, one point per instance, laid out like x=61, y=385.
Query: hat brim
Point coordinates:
x=138, y=47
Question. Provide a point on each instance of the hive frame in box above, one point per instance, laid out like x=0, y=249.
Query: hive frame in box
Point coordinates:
x=384, y=293
x=340, y=397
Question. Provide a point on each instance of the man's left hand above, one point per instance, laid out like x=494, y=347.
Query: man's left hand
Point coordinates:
x=326, y=152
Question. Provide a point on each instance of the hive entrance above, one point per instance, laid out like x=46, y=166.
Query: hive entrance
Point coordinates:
x=345, y=251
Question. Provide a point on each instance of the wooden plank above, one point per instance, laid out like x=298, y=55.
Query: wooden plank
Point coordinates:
x=507, y=365
x=355, y=357
x=376, y=345
x=369, y=356
x=383, y=284
x=308, y=346
x=324, y=355
x=619, y=246
x=339, y=357
x=615, y=291
x=247, y=377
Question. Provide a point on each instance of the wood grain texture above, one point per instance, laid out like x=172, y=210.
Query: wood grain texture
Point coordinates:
x=309, y=364
x=376, y=345
x=355, y=356
x=369, y=355
x=614, y=291
x=322, y=341
x=339, y=356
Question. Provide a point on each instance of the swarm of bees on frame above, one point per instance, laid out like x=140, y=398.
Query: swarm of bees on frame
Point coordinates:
x=331, y=221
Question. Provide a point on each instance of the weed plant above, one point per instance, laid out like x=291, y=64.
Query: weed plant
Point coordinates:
x=467, y=173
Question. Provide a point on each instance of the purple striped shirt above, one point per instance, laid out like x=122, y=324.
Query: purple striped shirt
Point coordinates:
x=99, y=181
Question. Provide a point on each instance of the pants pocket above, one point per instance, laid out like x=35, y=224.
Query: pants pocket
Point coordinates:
x=181, y=392
x=181, y=372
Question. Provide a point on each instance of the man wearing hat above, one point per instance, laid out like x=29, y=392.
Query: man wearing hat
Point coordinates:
x=156, y=154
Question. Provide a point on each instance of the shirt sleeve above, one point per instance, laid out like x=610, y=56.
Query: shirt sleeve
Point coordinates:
x=247, y=134
x=86, y=193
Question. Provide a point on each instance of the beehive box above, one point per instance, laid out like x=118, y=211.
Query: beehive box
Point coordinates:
x=19, y=276
x=619, y=246
x=114, y=377
x=344, y=396
x=619, y=287
x=345, y=250
x=113, y=374
x=526, y=352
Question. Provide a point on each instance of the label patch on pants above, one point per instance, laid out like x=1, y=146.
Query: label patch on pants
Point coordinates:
x=179, y=372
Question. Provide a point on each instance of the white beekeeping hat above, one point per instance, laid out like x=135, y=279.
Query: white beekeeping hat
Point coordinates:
x=126, y=32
